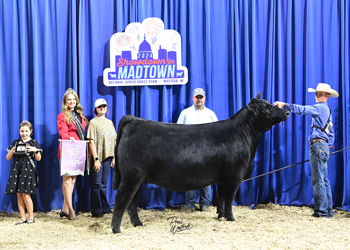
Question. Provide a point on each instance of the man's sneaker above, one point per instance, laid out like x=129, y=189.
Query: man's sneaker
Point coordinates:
x=189, y=210
x=205, y=209
x=319, y=216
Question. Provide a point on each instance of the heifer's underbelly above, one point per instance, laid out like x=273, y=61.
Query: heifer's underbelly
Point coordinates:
x=180, y=173
x=180, y=183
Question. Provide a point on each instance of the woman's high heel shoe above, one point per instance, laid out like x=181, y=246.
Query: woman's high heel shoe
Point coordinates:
x=21, y=222
x=63, y=214
x=30, y=221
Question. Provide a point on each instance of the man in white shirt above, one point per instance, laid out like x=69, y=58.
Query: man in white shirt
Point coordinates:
x=197, y=114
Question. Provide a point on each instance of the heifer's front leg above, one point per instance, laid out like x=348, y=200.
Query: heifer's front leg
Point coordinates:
x=231, y=191
x=221, y=203
x=122, y=200
x=132, y=210
x=221, y=208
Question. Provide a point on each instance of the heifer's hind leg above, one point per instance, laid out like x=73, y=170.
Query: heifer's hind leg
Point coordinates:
x=125, y=194
x=132, y=210
x=116, y=178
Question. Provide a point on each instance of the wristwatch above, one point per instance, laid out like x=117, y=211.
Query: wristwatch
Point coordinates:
x=96, y=158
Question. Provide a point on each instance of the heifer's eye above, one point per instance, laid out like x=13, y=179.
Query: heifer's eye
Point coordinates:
x=267, y=110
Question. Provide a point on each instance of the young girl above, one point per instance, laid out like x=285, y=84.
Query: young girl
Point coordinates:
x=23, y=175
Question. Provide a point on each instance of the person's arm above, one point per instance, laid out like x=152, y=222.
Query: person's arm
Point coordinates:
x=331, y=137
x=35, y=150
x=181, y=119
x=92, y=147
x=10, y=154
x=63, y=128
x=303, y=110
x=38, y=156
x=298, y=109
x=215, y=118
x=115, y=134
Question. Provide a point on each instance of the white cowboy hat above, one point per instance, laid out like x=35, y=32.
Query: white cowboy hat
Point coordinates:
x=324, y=87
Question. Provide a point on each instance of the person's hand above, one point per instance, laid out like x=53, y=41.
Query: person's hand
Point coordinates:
x=10, y=154
x=32, y=149
x=279, y=104
x=71, y=138
x=112, y=163
x=97, y=166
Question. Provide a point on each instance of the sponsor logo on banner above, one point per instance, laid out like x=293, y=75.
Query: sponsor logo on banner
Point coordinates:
x=145, y=54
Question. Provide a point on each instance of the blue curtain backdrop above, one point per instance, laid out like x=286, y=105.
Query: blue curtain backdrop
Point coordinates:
x=233, y=49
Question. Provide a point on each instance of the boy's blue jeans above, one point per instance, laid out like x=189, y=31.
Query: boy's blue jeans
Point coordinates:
x=319, y=154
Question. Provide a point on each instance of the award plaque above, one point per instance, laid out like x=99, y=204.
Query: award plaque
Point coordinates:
x=21, y=148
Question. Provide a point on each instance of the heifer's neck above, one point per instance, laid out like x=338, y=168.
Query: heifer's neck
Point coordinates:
x=247, y=124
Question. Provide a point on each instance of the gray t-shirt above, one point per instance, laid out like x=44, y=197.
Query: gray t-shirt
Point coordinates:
x=102, y=131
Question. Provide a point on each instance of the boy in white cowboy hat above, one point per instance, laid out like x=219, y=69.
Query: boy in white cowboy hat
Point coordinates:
x=321, y=137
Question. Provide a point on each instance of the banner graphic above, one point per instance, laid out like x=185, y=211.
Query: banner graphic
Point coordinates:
x=145, y=54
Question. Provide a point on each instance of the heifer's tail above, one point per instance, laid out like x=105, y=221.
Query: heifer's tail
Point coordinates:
x=116, y=177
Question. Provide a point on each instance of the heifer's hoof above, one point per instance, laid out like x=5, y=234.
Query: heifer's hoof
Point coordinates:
x=221, y=216
x=231, y=218
x=116, y=231
x=137, y=224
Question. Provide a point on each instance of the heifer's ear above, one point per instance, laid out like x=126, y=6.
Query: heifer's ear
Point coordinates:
x=252, y=108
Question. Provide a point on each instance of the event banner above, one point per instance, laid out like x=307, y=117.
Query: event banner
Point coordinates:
x=73, y=156
x=145, y=54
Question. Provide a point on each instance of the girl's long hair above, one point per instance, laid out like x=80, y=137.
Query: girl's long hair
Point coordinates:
x=26, y=123
x=78, y=107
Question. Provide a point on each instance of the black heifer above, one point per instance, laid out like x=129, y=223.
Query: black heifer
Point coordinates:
x=181, y=157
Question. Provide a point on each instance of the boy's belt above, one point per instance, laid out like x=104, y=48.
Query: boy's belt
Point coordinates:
x=315, y=140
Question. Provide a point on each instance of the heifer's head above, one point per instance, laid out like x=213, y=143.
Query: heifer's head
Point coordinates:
x=266, y=114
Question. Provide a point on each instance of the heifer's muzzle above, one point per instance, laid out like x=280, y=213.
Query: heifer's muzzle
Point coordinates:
x=280, y=114
x=285, y=115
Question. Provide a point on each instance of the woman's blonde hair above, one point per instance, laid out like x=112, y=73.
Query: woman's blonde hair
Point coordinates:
x=65, y=107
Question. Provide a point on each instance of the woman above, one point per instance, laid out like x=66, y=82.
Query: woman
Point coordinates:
x=71, y=126
x=101, y=134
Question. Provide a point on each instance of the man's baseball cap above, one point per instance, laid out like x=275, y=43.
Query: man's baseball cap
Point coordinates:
x=198, y=91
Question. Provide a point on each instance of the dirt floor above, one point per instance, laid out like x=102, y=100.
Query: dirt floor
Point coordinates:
x=265, y=227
